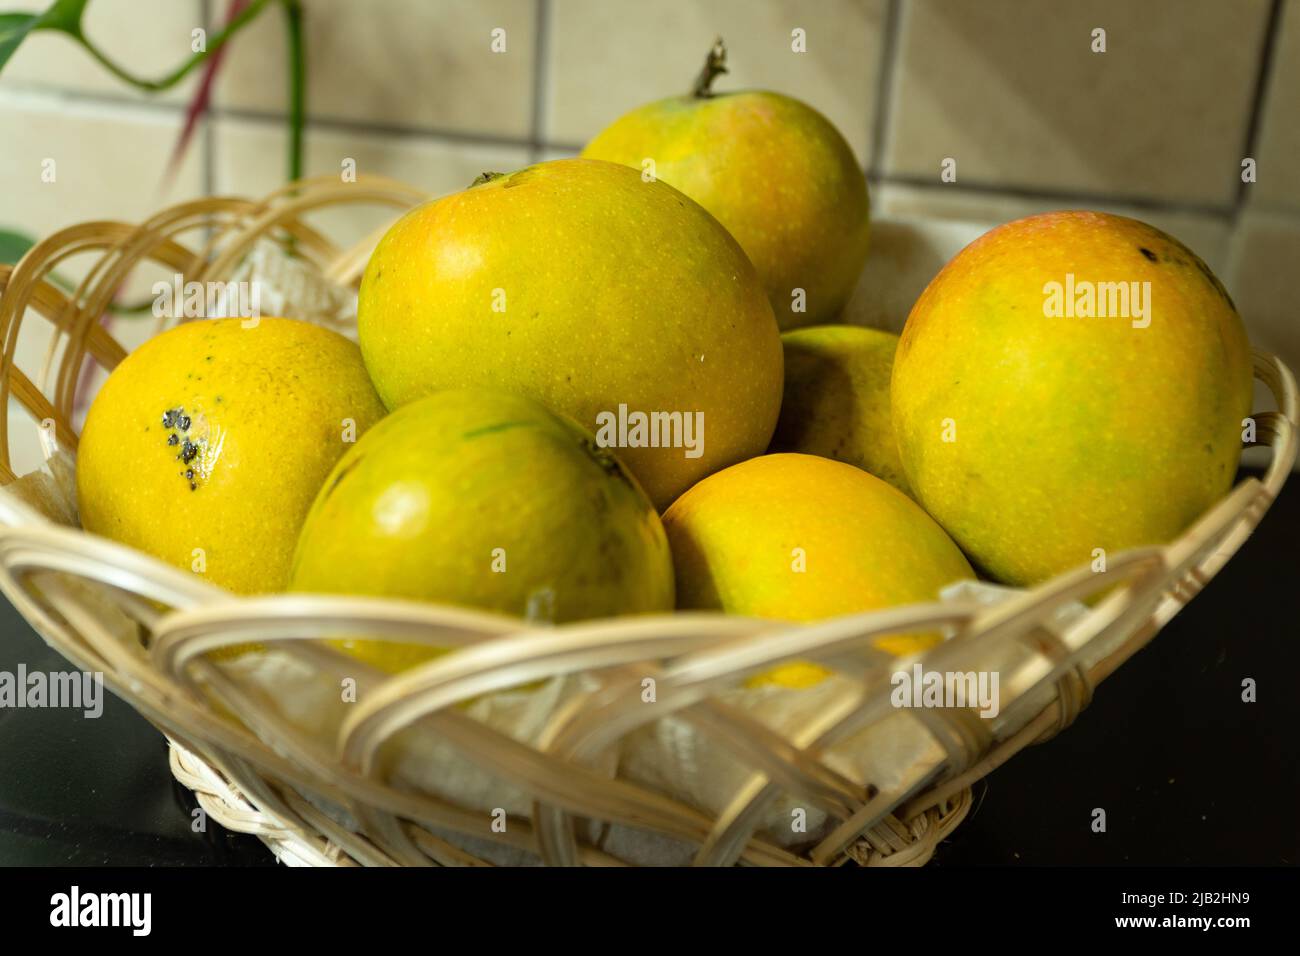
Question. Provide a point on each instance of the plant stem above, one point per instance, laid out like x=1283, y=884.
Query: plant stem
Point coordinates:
x=297, y=86
x=171, y=79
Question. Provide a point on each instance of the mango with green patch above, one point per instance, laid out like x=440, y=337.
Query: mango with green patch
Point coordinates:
x=486, y=500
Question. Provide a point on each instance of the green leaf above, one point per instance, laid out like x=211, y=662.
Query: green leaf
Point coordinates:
x=63, y=16
x=14, y=28
x=13, y=246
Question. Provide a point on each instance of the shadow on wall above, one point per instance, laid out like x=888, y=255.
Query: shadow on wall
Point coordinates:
x=903, y=258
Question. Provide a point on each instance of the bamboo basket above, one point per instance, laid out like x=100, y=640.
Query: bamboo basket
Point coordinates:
x=254, y=774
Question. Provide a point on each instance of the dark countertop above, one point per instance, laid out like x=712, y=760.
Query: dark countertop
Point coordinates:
x=1187, y=772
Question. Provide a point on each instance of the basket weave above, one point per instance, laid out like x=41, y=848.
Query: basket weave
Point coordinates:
x=251, y=773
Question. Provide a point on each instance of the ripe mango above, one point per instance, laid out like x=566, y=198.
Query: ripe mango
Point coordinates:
x=800, y=538
x=1070, y=385
x=774, y=171
x=579, y=285
x=206, y=446
x=836, y=400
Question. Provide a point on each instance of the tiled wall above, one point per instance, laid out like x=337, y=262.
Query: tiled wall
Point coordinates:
x=1156, y=126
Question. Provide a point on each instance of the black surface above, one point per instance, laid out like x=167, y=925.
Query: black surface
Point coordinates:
x=93, y=792
x=1186, y=771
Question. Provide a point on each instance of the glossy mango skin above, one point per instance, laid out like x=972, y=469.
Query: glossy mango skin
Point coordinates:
x=1072, y=433
x=265, y=411
x=836, y=402
x=485, y=500
x=775, y=172
x=614, y=291
x=865, y=545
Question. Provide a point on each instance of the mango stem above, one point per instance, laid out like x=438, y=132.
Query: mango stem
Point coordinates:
x=714, y=66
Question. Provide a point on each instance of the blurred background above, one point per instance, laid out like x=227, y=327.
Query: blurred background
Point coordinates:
x=1015, y=92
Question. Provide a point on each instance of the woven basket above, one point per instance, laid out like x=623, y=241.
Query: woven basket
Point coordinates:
x=254, y=774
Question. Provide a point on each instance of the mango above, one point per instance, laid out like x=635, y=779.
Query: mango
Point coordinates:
x=207, y=444
x=836, y=402
x=774, y=171
x=1070, y=385
x=618, y=302
x=800, y=538
x=485, y=500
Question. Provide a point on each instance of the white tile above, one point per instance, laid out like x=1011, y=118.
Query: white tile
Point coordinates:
x=1013, y=91
x=108, y=162
x=397, y=63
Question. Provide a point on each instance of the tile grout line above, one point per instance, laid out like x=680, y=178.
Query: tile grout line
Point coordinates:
x=64, y=97
x=325, y=123
x=1268, y=48
x=209, y=127
x=335, y=125
x=885, y=78
x=541, y=55
x=1208, y=210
